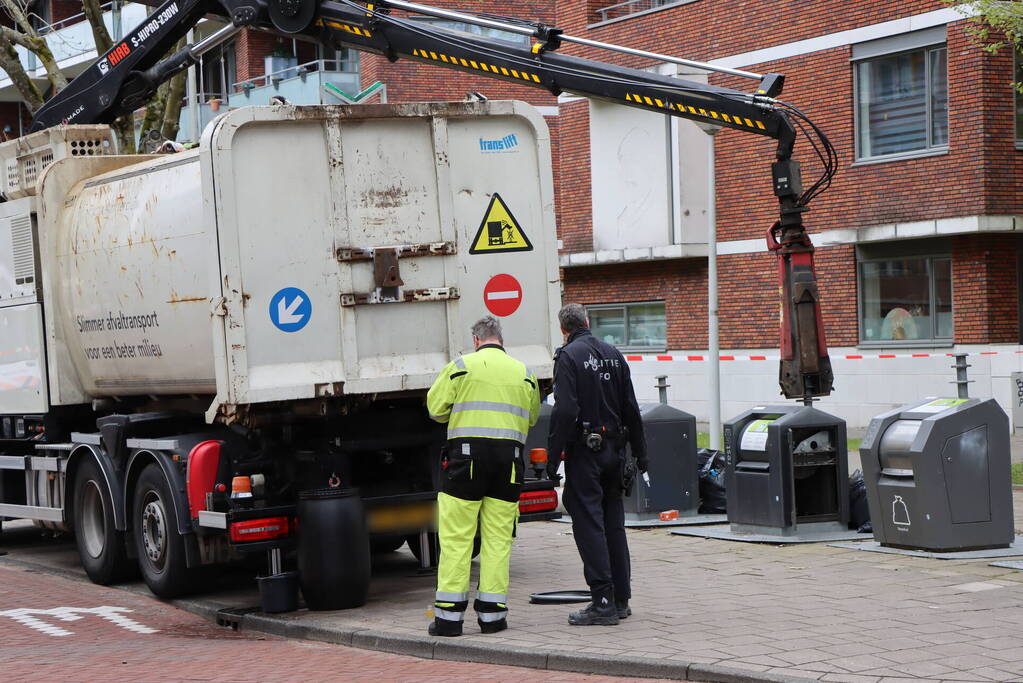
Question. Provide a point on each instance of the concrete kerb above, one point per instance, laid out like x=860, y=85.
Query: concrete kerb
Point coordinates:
x=450, y=649
x=713, y=673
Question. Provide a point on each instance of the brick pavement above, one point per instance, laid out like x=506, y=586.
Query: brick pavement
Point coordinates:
x=807, y=611
x=182, y=646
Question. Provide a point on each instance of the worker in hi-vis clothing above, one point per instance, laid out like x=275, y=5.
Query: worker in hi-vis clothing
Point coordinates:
x=489, y=400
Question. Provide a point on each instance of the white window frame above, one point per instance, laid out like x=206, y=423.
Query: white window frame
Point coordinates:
x=926, y=40
x=625, y=307
x=931, y=341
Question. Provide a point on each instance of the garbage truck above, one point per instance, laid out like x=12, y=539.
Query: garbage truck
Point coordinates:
x=188, y=342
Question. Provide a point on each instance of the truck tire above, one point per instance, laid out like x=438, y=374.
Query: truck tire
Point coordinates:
x=160, y=548
x=101, y=547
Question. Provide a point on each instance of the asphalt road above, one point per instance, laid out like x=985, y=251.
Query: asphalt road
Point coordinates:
x=56, y=625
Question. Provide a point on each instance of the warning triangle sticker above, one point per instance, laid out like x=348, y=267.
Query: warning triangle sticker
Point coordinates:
x=499, y=231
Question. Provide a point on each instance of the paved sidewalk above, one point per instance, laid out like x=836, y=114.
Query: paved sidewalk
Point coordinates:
x=707, y=610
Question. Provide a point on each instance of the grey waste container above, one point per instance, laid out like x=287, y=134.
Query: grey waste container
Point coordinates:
x=671, y=450
x=787, y=471
x=938, y=475
x=537, y=437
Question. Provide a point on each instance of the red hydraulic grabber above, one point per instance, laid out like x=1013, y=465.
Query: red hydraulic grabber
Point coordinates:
x=805, y=368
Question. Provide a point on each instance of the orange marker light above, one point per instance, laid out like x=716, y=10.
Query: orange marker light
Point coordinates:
x=538, y=455
x=241, y=487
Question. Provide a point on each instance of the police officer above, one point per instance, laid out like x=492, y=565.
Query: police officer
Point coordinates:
x=489, y=400
x=595, y=414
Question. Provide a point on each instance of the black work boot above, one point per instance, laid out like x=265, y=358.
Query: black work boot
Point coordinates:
x=601, y=612
x=493, y=626
x=624, y=611
x=445, y=627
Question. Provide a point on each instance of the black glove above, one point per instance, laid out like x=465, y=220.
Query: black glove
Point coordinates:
x=552, y=469
x=642, y=464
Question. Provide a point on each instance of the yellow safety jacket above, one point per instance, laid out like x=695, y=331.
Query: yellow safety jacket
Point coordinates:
x=485, y=394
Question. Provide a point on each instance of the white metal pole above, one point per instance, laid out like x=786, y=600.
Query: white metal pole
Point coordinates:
x=193, y=96
x=714, y=351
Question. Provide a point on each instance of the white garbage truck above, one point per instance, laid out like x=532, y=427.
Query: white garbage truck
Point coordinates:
x=187, y=341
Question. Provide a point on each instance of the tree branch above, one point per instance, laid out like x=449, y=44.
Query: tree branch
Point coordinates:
x=94, y=14
x=10, y=63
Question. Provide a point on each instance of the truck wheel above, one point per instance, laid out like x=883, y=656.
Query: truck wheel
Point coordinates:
x=100, y=546
x=160, y=548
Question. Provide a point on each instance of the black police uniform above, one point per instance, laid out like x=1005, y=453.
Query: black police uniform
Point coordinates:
x=593, y=391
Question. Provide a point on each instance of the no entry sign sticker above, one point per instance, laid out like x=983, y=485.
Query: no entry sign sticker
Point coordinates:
x=502, y=295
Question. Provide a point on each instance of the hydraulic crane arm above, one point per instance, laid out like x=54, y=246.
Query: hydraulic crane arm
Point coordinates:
x=125, y=77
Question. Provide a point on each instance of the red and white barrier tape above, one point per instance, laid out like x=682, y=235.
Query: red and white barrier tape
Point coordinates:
x=851, y=356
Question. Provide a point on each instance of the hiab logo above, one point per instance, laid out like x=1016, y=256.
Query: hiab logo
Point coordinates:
x=506, y=144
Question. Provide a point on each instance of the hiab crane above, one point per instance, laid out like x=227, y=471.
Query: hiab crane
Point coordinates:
x=127, y=76
x=193, y=339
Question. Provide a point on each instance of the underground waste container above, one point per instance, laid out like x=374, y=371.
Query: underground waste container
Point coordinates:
x=674, y=478
x=938, y=475
x=787, y=471
x=333, y=549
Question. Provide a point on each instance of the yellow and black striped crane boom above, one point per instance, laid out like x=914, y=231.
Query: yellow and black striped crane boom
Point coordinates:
x=125, y=77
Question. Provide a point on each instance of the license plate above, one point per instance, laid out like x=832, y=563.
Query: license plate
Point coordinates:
x=395, y=518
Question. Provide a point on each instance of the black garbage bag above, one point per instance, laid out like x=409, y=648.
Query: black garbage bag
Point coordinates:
x=712, y=481
x=859, y=512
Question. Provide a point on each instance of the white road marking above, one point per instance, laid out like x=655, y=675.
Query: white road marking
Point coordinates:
x=115, y=615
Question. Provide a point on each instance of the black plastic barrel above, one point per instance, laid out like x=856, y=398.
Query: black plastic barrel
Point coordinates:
x=333, y=549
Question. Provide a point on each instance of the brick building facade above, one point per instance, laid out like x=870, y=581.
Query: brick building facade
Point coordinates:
x=943, y=214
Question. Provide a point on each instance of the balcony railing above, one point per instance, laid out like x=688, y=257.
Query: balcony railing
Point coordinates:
x=299, y=84
x=624, y=9
x=71, y=39
x=326, y=70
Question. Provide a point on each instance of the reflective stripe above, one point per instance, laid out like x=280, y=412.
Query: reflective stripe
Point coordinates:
x=459, y=363
x=449, y=615
x=487, y=617
x=487, y=433
x=438, y=418
x=443, y=596
x=493, y=597
x=491, y=405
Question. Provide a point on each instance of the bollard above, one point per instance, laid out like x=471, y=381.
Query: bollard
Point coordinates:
x=960, y=381
x=662, y=388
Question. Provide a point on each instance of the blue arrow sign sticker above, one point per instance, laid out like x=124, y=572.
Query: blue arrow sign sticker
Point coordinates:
x=290, y=309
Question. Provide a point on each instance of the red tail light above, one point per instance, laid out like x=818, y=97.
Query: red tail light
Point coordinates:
x=260, y=529
x=538, y=501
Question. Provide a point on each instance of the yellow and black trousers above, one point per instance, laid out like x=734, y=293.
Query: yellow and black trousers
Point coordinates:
x=481, y=480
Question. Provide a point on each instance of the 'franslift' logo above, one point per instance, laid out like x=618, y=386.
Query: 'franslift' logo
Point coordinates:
x=508, y=143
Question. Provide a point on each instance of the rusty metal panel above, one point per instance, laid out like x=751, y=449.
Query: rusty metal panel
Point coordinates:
x=345, y=237
x=132, y=293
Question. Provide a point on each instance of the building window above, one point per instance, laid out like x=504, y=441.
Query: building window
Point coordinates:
x=637, y=327
x=906, y=299
x=626, y=8
x=902, y=103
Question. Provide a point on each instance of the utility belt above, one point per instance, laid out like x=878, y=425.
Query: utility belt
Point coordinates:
x=595, y=437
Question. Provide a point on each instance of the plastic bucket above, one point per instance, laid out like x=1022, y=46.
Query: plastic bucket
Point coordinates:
x=333, y=549
x=278, y=593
